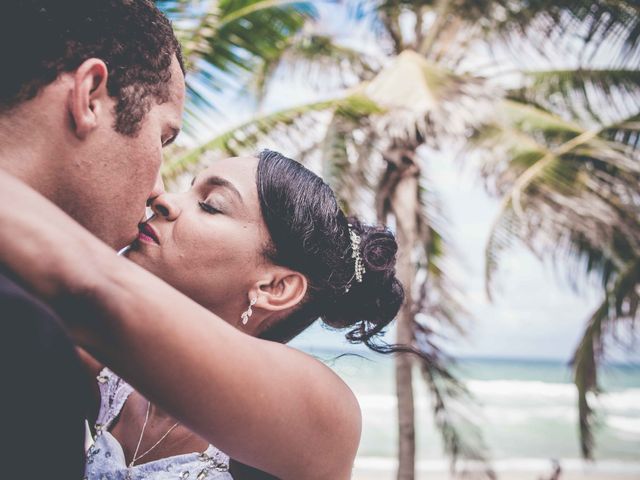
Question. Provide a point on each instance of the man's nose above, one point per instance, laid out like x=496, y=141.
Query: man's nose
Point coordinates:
x=165, y=206
x=158, y=189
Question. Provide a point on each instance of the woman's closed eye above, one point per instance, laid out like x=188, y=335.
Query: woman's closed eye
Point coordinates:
x=207, y=207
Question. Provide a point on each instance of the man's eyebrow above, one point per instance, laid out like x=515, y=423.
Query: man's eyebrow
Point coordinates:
x=215, y=181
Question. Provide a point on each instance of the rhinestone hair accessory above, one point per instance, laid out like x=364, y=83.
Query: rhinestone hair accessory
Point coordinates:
x=359, y=269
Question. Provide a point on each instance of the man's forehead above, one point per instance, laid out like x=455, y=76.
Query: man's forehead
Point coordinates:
x=178, y=86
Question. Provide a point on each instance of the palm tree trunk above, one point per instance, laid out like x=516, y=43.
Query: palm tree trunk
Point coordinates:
x=403, y=183
x=404, y=391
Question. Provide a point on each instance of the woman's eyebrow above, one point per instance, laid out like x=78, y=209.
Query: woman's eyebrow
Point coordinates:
x=215, y=181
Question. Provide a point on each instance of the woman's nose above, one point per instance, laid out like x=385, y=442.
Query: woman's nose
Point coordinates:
x=165, y=206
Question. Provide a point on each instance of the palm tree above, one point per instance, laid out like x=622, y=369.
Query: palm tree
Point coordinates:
x=565, y=160
x=386, y=129
x=422, y=89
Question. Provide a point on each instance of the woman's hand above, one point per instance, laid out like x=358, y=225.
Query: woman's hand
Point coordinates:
x=264, y=404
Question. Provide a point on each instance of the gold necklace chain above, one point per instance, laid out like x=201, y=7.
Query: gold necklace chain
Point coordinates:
x=144, y=426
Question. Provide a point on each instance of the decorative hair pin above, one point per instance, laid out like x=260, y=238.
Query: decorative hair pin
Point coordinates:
x=359, y=269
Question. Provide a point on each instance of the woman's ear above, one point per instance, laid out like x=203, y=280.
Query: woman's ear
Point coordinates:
x=282, y=290
x=87, y=97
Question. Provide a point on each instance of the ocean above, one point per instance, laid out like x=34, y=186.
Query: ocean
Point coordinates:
x=526, y=410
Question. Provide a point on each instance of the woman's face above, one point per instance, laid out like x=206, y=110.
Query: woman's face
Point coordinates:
x=208, y=241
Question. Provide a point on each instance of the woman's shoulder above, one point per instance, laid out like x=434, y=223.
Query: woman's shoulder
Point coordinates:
x=322, y=387
x=325, y=379
x=337, y=408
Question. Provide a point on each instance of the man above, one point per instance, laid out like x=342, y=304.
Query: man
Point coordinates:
x=90, y=92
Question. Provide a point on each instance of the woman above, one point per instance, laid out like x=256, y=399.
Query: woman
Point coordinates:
x=262, y=244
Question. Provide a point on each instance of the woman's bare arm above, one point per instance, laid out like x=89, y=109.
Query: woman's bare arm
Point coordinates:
x=263, y=403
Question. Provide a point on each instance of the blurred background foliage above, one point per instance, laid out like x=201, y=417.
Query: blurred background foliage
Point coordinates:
x=541, y=97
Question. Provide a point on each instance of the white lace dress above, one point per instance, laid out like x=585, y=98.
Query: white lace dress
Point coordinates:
x=105, y=458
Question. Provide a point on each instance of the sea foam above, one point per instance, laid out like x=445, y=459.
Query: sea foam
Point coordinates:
x=508, y=402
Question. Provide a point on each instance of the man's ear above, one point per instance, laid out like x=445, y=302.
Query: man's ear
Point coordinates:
x=283, y=289
x=88, y=97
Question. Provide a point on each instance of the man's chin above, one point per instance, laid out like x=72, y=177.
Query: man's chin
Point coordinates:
x=136, y=252
x=125, y=242
x=131, y=249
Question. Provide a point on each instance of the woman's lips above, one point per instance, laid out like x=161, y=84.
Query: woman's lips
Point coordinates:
x=147, y=234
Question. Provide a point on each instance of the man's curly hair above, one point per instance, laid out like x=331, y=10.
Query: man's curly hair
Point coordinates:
x=40, y=39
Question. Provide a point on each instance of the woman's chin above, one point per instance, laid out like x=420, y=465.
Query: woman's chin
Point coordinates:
x=143, y=257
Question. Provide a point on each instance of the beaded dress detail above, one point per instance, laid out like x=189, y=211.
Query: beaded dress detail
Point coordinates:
x=105, y=458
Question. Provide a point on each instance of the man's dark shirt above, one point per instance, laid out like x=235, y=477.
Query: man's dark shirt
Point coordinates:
x=44, y=393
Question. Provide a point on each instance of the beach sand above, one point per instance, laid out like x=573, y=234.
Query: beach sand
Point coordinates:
x=363, y=474
x=617, y=472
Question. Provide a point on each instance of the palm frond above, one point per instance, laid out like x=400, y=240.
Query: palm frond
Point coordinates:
x=585, y=361
x=318, y=61
x=600, y=95
x=620, y=303
x=227, y=40
x=504, y=233
x=597, y=24
x=439, y=297
x=346, y=152
x=452, y=407
x=562, y=214
x=233, y=35
x=242, y=137
x=625, y=132
x=544, y=126
x=245, y=137
x=603, y=23
x=336, y=165
x=552, y=183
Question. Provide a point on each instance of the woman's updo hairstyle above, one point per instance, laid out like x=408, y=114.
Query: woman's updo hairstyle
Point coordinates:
x=310, y=234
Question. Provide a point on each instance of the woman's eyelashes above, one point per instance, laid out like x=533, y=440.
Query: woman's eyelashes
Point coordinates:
x=207, y=207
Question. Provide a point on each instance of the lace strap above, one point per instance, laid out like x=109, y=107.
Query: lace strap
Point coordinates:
x=113, y=393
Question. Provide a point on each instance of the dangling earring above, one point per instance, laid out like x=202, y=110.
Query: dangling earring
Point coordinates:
x=245, y=315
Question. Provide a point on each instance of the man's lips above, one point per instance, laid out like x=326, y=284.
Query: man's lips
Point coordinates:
x=147, y=233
